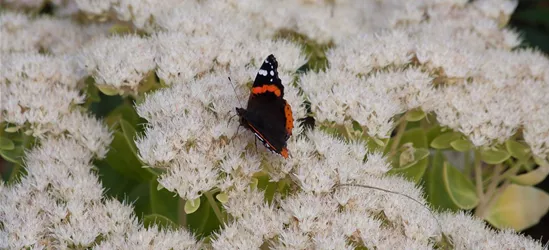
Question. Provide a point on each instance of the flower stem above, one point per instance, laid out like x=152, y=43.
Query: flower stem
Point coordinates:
x=478, y=176
x=215, y=208
x=493, y=191
x=182, y=215
x=496, y=179
x=468, y=167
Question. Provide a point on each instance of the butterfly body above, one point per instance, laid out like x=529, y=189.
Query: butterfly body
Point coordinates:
x=267, y=114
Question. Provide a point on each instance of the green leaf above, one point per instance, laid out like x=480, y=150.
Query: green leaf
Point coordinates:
x=434, y=183
x=21, y=143
x=494, y=156
x=375, y=144
x=445, y=242
x=148, y=83
x=421, y=153
x=6, y=143
x=139, y=195
x=416, y=136
x=107, y=89
x=460, y=188
x=116, y=184
x=254, y=182
x=14, y=155
x=159, y=220
x=356, y=126
x=443, y=140
x=123, y=112
x=11, y=129
x=415, y=115
x=163, y=202
x=120, y=29
x=533, y=177
x=380, y=142
x=518, y=150
x=518, y=207
x=407, y=159
x=91, y=90
x=129, y=134
x=433, y=133
x=203, y=221
x=122, y=157
x=461, y=145
x=192, y=205
x=415, y=169
x=222, y=197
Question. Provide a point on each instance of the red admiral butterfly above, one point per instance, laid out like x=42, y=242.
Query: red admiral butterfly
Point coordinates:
x=268, y=115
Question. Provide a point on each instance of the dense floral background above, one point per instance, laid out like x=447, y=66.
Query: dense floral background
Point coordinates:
x=418, y=124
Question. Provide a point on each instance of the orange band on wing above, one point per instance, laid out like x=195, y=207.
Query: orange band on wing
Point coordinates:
x=266, y=88
x=284, y=152
x=289, y=118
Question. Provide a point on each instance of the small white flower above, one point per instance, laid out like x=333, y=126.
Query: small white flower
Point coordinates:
x=235, y=236
x=181, y=57
x=16, y=35
x=119, y=62
x=152, y=237
x=96, y=7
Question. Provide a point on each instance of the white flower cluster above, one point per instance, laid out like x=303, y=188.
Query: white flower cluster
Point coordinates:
x=388, y=57
x=59, y=205
x=372, y=101
x=323, y=215
x=457, y=63
x=119, y=62
x=19, y=33
x=190, y=133
x=40, y=92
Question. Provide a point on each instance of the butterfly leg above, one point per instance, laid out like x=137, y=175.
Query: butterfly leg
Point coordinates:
x=235, y=134
x=230, y=118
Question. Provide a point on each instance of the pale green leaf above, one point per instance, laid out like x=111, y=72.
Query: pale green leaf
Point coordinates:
x=192, y=205
x=415, y=115
x=533, y=177
x=222, y=197
x=6, y=143
x=443, y=140
x=518, y=207
x=494, y=156
x=107, y=90
x=461, y=190
x=461, y=145
x=518, y=150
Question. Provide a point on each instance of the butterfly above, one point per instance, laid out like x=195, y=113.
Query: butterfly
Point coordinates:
x=268, y=115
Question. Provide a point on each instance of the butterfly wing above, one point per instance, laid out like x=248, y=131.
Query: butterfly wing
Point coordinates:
x=268, y=115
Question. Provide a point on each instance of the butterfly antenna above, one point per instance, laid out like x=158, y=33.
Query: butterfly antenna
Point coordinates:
x=234, y=89
x=397, y=193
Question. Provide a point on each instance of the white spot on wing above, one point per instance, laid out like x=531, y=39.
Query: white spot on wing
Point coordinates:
x=262, y=72
x=259, y=137
x=272, y=73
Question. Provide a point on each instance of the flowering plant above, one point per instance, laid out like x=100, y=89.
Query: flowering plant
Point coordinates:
x=116, y=120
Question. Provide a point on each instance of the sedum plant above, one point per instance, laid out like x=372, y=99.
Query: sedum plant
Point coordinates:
x=419, y=125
